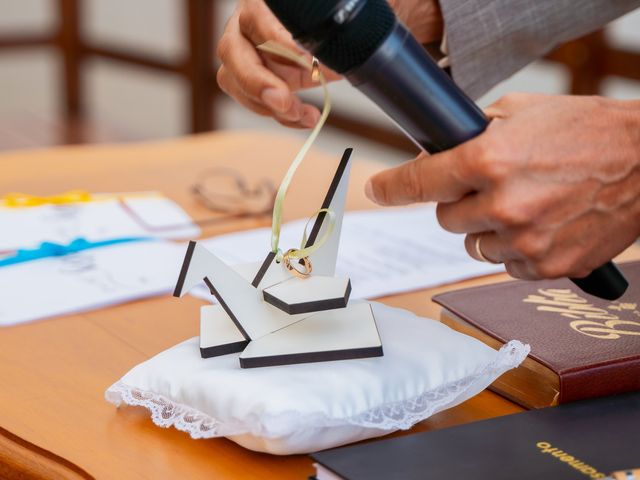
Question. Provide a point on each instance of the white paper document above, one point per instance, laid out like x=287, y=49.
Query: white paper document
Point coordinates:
x=383, y=252
x=87, y=280
x=128, y=215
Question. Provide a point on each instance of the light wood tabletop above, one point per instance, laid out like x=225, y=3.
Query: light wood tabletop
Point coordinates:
x=54, y=421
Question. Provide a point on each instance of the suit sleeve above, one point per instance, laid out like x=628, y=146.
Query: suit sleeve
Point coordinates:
x=489, y=40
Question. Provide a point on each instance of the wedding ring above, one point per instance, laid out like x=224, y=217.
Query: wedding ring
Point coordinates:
x=315, y=70
x=479, y=251
x=303, y=262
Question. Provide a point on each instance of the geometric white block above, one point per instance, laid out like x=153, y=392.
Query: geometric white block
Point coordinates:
x=311, y=294
x=218, y=334
x=274, y=318
x=342, y=334
x=242, y=302
x=269, y=272
x=324, y=259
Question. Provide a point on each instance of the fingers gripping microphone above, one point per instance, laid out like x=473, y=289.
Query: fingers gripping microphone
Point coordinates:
x=363, y=40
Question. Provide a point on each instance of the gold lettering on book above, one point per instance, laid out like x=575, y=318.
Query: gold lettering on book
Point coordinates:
x=587, y=319
x=571, y=461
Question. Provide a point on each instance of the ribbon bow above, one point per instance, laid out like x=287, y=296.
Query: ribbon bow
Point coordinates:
x=16, y=200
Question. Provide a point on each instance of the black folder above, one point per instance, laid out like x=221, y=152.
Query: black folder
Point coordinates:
x=581, y=440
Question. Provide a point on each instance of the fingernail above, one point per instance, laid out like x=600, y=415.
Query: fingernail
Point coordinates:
x=275, y=99
x=368, y=191
x=294, y=114
x=309, y=119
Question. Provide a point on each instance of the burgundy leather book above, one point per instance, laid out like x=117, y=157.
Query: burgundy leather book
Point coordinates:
x=581, y=346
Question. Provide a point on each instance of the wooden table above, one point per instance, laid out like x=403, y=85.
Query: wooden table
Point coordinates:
x=54, y=421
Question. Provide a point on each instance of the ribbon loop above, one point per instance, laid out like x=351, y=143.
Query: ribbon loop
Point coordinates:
x=304, y=250
x=317, y=76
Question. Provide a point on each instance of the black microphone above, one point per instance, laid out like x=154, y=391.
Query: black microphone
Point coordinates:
x=364, y=41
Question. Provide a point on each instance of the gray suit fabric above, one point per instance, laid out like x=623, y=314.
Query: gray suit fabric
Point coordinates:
x=489, y=40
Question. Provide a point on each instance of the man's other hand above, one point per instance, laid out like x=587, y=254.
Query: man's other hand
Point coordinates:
x=552, y=186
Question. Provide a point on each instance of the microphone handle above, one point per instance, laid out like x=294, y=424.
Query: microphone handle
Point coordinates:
x=403, y=80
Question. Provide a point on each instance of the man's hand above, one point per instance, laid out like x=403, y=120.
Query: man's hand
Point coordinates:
x=552, y=186
x=266, y=84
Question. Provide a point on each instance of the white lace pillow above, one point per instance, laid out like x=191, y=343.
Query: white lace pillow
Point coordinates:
x=426, y=368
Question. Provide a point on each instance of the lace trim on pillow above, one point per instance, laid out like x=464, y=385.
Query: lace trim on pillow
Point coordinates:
x=400, y=415
x=403, y=415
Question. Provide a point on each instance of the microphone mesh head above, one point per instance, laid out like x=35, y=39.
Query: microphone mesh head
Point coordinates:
x=340, y=46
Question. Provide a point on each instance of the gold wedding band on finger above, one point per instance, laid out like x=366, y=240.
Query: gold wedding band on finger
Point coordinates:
x=479, y=251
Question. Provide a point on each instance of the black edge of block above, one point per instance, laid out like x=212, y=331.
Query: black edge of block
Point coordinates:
x=311, y=357
x=226, y=308
x=308, y=307
x=347, y=294
x=317, y=225
x=219, y=350
x=185, y=268
x=263, y=269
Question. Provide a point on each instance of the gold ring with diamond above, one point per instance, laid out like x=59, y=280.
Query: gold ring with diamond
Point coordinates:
x=304, y=262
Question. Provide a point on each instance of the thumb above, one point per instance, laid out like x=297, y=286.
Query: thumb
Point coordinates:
x=424, y=179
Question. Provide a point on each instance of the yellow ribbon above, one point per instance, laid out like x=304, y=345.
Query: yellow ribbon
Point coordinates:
x=17, y=200
x=304, y=251
x=316, y=74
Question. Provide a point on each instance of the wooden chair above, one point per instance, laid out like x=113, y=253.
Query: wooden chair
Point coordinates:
x=589, y=60
x=196, y=68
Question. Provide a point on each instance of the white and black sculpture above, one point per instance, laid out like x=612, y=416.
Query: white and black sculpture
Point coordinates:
x=273, y=314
